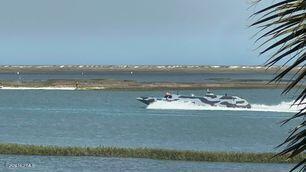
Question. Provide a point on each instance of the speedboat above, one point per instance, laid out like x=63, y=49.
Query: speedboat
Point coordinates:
x=209, y=99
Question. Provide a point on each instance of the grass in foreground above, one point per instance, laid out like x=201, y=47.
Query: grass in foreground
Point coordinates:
x=160, y=154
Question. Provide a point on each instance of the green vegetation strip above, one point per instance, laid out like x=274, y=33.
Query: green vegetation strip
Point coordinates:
x=160, y=154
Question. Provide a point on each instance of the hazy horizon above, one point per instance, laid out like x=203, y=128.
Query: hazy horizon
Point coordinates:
x=130, y=65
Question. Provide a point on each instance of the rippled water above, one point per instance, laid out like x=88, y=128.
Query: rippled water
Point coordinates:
x=115, y=118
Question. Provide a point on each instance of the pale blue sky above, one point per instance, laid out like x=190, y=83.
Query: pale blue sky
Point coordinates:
x=206, y=32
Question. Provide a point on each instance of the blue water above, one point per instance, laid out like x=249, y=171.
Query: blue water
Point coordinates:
x=115, y=118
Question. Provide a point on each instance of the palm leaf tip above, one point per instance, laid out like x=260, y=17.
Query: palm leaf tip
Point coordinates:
x=283, y=31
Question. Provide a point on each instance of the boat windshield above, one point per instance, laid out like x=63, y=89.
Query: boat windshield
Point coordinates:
x=210, y=94
x=168, y=95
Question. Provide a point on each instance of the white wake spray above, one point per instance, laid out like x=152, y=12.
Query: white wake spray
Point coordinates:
x=282, y=107
x=37, y=88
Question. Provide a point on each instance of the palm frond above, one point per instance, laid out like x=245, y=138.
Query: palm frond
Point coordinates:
x=282, y=29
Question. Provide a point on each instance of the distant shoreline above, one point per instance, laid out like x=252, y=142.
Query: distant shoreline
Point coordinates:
x=110, y=84
x=129, y=85
x=137, y=68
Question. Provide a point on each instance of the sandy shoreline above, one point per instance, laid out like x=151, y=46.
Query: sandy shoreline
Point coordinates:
x=109, y=84
x=105, y=84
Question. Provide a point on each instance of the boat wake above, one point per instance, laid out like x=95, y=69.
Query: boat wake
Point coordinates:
x=281, y=107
